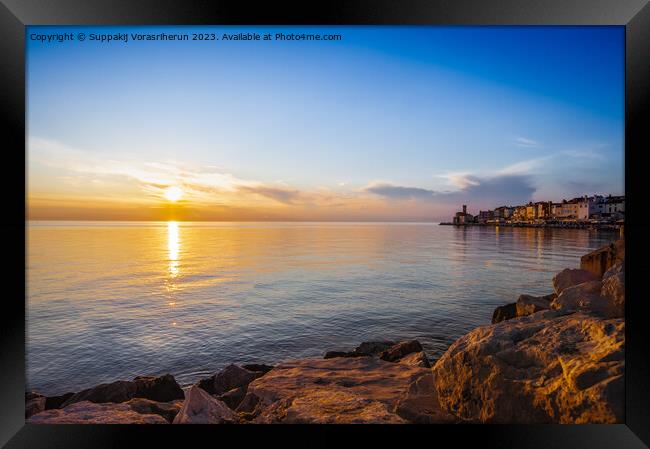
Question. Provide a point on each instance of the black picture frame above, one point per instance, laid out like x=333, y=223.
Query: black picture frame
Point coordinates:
x=15, y=15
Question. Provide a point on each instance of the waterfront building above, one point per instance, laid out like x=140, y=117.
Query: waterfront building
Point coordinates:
x=485, y=215
x=614, y=207
x=463, y=217
x=531, y=211
x=596, y=208
x=556, y=210
x=519, y=213
x=544, y=209
x=502, y=213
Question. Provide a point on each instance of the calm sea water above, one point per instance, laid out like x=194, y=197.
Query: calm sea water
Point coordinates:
x=109, y=301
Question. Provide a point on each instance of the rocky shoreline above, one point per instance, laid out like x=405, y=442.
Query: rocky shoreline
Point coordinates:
x=557, y=358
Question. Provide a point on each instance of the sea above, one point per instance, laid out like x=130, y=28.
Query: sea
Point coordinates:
x=109, y=301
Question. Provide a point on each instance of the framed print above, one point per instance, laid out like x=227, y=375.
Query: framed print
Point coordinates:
x=356, y=219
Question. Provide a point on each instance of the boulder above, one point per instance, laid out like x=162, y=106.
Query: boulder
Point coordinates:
x=201, y=408
x=570, y=277
x=602, y=298
x=528, y=304
x=613, y=290
x=168, y=410
x=258, y=367
x=416, y=359
x=233, y=397
x=374, y=347
x=34, y=403
x=334, y=354
x=230, y=377
x=119, y=391
x=86, y=412
x=328, y=407
x=541, y=368
x=32, y=395
x=420, y=404
x=602, y=259
x=615, y=269
x=57, y=401
x=399, y=350
x=505, y=312
x=365, y=349
x=339, y=390
x=162, y=389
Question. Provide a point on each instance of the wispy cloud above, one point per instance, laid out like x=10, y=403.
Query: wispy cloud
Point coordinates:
x=526, y=143
x=460, y=180
x=79, y=175
x=153, y=177
x=282, y=195
x=525, y=167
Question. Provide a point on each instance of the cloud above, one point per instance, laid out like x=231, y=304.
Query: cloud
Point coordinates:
x=399, y=192
x=525, y=167
x=487, y=191
x=503, y=189
x=460, y=180
x=526, y=143
x=285, y=196
x=152, y=177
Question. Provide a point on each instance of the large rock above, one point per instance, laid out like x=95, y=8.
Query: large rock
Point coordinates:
x=528, y=304
x=230, y=377
x=420, y=404
x=340, y=390
x=201, y=408
x=605, y=298
x=258, y=367
x=542, y=368
x=505, y=312
x=615, y=269
x=613, y=290
x=335, y=354
x=416, y=359
x=233, y=397
x=167, y=410
x=365, y=349
x=570, y=277
x=86, y=412
x=57, y=401
x=374, y=347
x=34, y=403
x=399, y=350
x=118, y=391
x=602, y=259
x=162, y=389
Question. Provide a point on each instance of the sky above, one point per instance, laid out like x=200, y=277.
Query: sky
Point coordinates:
x=389, y=123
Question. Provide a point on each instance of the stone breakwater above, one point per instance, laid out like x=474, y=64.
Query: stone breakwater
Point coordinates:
x=557, y=358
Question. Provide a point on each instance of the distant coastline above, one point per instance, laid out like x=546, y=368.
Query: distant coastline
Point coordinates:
x=574, y=225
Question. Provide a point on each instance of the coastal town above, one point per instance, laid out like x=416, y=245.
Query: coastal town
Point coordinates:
x=586, y=211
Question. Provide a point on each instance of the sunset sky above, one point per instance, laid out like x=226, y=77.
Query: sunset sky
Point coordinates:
x=390, y=123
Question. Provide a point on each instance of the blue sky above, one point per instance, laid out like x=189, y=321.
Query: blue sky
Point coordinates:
x=388, y=123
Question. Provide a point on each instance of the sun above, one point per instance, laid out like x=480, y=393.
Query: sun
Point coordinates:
x=173, y=193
